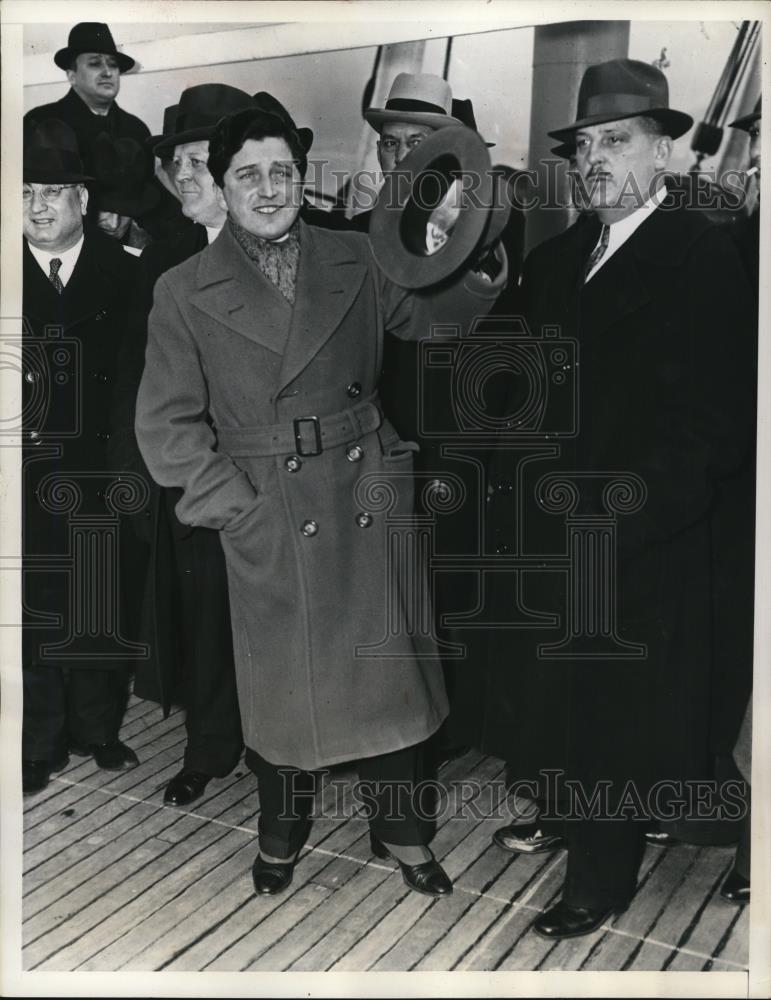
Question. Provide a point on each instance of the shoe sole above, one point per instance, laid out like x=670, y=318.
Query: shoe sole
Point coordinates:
x=539, y=849
x=575, y=934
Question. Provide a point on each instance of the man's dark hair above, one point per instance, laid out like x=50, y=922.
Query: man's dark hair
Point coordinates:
x=233, y=131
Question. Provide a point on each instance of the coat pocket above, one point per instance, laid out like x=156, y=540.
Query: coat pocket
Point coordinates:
x=245, y=516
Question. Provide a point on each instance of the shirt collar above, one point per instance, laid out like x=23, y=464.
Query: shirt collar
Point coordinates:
x=621, y=231
x=68, y=257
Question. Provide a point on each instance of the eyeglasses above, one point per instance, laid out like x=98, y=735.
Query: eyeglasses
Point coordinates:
x=50, y=192
x=390, y=145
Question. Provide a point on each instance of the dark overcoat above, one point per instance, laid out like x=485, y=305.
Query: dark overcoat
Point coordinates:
x=71, y=344
x=332, y=660
x=160, y=676
x=665, y=392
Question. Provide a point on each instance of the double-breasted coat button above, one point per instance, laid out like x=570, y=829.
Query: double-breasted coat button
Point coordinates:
x=504, y=486
x=364, y=520
x=293, y=463
x=100, y=494
x=502, y=549
x=31, y=376
x=99, y=377
x=354, y=390
x=34, y=437
x=355, y=453
x=102, y=436
x=309, y=528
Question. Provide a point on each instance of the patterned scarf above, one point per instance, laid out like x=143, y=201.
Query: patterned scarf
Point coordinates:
x=277, y=261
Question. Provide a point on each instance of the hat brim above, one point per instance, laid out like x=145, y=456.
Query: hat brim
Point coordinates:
x=675, y=123
x=63, y=58
x=404, y=260
x=43, y=176
x=432, y=119
x=145, y=202
x=746, y=121
x=168, y=143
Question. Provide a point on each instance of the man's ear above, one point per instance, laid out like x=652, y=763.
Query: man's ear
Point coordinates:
x=83, y=193
x=662, y=151
x=220, y=197
x=71, y=72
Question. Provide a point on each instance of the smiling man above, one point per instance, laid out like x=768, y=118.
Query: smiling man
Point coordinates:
x=79, y=284
x=94, y=67
x=657, y=301
x=191, y=645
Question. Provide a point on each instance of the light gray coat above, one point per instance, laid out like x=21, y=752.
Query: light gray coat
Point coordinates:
x=227, y=353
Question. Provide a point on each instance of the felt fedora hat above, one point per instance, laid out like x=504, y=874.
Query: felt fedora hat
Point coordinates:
x=51, y=154
x=198, y=111
x=746, y=121
x=412, y=193
x=624, y=88
x=270, y=105
x=463, y=110
x=91, y=36
x=418, y=99
x=169, y=123
x=121, y=169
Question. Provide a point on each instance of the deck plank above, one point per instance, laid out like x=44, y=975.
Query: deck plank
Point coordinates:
x=131, y=891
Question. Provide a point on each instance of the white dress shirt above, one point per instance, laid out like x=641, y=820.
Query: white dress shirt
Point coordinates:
x=212, y=232
x=621, y=231
x=69, y=259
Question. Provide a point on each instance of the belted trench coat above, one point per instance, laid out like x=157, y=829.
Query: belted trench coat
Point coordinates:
x=334, y=661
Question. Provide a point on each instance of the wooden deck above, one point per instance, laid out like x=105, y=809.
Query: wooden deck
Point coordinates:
x=115, y=880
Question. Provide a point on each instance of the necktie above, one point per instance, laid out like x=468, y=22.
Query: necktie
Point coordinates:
x=53, y=276
x=598, y=253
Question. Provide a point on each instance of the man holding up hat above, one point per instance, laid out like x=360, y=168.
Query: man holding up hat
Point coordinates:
x=616, y=705
x=123, y=194
x=94, y=67
x=187, y=596
x=77, y=283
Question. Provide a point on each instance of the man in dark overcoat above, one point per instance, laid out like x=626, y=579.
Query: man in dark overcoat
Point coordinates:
x=94, y=67
x=187, y=613
x=77, y=286
x=612, y=693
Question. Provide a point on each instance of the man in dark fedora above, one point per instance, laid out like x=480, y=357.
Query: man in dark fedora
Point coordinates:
x=77, y=287
x=122, y=193
x=187, y=596
x=604, y=709
x=94, y=67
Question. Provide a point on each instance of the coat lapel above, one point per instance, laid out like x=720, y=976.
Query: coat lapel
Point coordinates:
x=233, y=292
x=328, y=280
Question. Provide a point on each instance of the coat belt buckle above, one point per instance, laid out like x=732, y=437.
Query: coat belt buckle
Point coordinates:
x=298, y=437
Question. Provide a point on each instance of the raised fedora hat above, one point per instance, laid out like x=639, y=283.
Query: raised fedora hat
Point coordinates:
x=624, y=88
x=121, y=169
x=91, y=36
x=51, y=154
x=198, y=111
x=747, y=121
x=416, y=98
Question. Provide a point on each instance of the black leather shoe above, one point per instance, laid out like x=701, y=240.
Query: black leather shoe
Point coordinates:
x=736, y=888
x=660, y=838
x=35, y=774
x=564, y=921
x=115, y=756
x=428, y=878
x=269, y=877
x=185, y=787
x=527, y=838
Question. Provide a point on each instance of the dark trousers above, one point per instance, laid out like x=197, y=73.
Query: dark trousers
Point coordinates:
x=603, y=859
x=387, y=784
x=213, y=720
x=68, y=705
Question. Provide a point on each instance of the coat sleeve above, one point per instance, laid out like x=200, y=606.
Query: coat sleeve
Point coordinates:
x=455, y=304
x=710, y=434
x=172, y=427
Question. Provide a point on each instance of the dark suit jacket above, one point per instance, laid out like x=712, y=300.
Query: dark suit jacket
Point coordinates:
x=70, y=344
x=665, y=391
